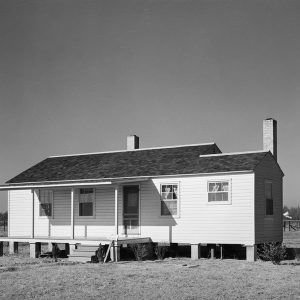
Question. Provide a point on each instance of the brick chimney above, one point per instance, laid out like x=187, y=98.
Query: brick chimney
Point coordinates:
x=133, y=142
x=270, y=136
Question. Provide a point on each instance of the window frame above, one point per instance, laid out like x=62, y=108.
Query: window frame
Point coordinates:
x=268, y=181
x=93, y=201
x=178, y=200
x=229, y=201
x=39, y=196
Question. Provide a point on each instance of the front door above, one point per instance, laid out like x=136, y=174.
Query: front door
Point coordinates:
x=131, y=210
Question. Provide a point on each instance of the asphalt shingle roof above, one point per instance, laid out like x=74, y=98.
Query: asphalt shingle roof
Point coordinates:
x=148, y=162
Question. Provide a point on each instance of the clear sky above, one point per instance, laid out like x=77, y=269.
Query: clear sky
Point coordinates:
x=79, y=76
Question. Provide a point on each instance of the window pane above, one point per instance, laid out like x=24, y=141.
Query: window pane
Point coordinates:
x=168, y=208
x=165, y=188
x=223, y=196
x=131, y=203
x=218, y=186
x=46, y=209
x=268, y=190
x=86, y=195
x=86, y=209
x=175, y=192
x=224, y=186
x=131, y=226
x=214, y=186
x=269, y=207
x=211, y=197
x=169, y=191
x=164, y=195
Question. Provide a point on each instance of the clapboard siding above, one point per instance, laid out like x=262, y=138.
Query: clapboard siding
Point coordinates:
x=268, y=228
x=60, y=224
x=103, y=223
x=199, y=221
x=20, y=213
x=41, y=224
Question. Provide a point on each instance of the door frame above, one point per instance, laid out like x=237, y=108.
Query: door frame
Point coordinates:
x=139, y=199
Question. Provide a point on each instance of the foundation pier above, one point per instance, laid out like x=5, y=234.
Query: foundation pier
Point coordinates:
x=195, y=251
x=251, y=253
x=35, y=250
x=13, y=247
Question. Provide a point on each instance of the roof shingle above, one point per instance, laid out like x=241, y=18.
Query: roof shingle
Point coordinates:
x=148, y=162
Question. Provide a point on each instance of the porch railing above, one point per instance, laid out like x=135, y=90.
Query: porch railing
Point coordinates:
x=291, y=225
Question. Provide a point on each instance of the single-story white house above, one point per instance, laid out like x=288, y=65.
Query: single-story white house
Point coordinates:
x=190, y=194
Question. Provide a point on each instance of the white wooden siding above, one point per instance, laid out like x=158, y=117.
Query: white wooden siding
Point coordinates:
x=42, y=224
x=268, y=228
x=60, y=224
x=102, y=224
x=20, y=213
x=198, y=221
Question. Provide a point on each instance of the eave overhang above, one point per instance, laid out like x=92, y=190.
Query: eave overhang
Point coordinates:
x=103, y=182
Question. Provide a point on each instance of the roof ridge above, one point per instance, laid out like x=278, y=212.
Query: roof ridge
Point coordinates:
x=232, y=153
x=134, y=150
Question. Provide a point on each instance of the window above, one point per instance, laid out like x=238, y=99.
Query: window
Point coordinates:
x=269, y=198
x=86, y=202
x=218, y=191
x=46, y=202
x=169, y=199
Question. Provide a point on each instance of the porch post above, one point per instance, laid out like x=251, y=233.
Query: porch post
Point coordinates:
x=32, y=229
x=116, y=247
x=72, y=213
x=116, y=211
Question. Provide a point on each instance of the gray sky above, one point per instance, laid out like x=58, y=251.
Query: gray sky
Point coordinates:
x=79, y=76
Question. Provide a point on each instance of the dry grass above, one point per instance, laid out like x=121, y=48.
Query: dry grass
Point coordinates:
x=25, y=278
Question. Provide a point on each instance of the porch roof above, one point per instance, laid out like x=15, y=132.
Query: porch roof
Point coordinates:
x=114, y=167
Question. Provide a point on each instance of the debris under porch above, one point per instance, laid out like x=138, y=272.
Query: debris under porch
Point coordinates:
x=80, y=250
x=87, y=250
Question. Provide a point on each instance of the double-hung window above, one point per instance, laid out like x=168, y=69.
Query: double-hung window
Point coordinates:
x=269, y=198
x=218, y=191
x=86, y=202
x=46, y=203
x=169, y=199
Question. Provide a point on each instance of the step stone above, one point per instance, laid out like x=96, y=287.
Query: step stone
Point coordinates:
x=83, y=253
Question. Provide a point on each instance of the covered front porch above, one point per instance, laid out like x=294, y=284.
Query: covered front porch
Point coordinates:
x=85, y=213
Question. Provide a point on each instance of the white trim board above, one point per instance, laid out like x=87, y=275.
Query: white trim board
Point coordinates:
x=233, y=153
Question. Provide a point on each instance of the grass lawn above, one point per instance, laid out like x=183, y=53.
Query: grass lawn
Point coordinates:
x=24, y=278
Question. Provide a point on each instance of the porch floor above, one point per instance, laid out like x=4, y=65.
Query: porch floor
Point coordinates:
x=83, y=241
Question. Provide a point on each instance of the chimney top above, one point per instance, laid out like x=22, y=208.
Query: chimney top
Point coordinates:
x=270, y=136
x=133, y=142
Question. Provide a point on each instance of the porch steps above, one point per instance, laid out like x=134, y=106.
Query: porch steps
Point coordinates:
x=83, y=253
